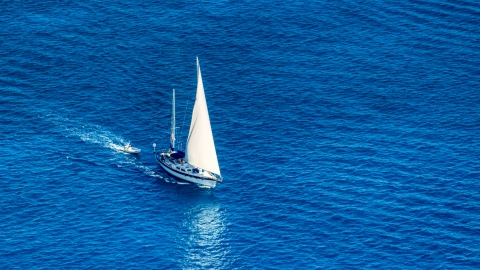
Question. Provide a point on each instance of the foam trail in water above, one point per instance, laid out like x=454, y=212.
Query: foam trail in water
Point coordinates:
x=85, y=131
x=98, y=135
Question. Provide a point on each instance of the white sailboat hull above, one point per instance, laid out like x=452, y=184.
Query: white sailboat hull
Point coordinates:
x=200, y=180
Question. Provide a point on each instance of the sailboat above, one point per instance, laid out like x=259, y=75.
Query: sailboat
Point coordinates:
x=199, y=163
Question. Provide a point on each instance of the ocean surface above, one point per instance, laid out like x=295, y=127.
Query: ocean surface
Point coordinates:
x=347, y=133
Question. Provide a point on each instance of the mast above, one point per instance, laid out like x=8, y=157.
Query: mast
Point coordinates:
x=172, y=135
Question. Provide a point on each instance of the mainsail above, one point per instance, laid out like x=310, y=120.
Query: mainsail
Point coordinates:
x=200, y=150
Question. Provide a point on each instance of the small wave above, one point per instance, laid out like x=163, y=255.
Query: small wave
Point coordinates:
x=148, y=171
x=182, y=183
x=151, y=173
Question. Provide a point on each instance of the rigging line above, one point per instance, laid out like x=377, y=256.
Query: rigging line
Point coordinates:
x=183, y=124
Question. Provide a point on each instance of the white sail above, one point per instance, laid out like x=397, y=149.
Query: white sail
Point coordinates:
x=200, y=150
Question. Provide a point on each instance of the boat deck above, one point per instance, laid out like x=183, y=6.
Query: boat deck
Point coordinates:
x=182, y=167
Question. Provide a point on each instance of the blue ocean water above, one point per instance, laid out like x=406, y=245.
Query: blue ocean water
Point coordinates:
x=347, y=132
